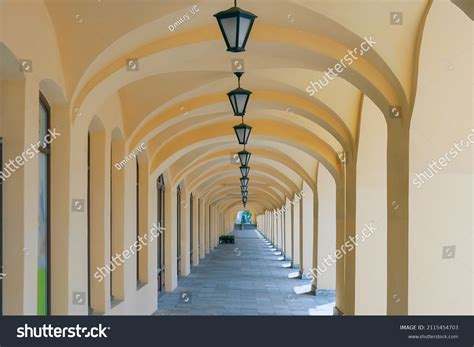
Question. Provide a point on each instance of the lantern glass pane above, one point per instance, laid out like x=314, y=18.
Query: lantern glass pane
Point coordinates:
x=247, y=135
x=230, y=29
x=244, y=30
x=241, y=135
x=233, y=102
x=244, y=158
x=244, y=170
x=241, y=100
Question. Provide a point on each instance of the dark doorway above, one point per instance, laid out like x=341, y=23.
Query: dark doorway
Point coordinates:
x=160, y=185
x=1, y=229
x=44, y=225
x=191, y=222
x=178, y=236
x=89, y=278
x=199, y=227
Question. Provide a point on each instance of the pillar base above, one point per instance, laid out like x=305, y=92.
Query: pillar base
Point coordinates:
x=303, y=290
x=337, y=312
x=295, y=275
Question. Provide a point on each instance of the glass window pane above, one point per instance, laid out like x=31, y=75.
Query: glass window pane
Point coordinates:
x=42, y=273
x=43, y=122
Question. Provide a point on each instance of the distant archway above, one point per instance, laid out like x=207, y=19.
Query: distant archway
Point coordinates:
x=244, y=217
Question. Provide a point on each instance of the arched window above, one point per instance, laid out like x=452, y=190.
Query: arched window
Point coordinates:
x=160, y=185
x=89, y=254
x=199, y=226
x=1, y=228
x=116, y=232
x=191, y=222
x=178, y=236
x=98, y=268
x=44, y=225
x=137, y=196
x=111, y=227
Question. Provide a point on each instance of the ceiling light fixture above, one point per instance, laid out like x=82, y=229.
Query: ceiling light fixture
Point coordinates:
x=236, y=25
x=239, y=98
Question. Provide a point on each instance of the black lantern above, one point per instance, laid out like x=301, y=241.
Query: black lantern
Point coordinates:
x=244, y=188
x=244, y=157
x=243, y=133
x=235, y=25
x=244, y=170
x=244, y=181
x=244, y=200
x=239, y=98
x=244, y=194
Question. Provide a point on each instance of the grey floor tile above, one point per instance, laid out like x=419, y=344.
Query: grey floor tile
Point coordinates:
x=248, y=282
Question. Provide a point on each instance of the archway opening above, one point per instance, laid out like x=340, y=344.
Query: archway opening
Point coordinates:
x=244, y=217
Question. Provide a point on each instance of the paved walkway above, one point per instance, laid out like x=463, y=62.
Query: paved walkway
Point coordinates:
x=244, y=278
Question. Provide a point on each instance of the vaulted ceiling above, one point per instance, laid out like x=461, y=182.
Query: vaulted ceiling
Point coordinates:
x=176, y=100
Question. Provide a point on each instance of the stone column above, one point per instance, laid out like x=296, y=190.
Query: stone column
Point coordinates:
x=195, y=235
x=171, y=240
x=185, y=234
x=20, y=110
x=301, y=243
x=202, y=228
x=314, y=281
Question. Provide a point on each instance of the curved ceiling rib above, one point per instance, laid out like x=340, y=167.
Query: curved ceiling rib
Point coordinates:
x=176, y=103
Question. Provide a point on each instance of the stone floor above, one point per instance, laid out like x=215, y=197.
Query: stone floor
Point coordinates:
x=244, y=278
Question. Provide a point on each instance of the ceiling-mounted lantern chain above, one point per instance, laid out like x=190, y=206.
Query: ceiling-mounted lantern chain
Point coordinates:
x=244, y=170
x=243, y=133
x=244, y=157
x=236, y=25
x=239, y=98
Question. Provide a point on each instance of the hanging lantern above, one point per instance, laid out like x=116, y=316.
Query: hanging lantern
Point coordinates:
x=243, y=133
x=244, y=188
x=244, y=200
x=236, y=25
x=239, y=98
x=244, y=181
x=244, y=157
x=244, y=170
x=245, y=194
